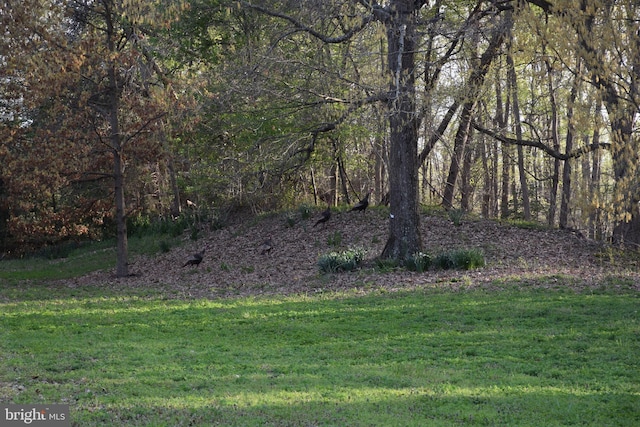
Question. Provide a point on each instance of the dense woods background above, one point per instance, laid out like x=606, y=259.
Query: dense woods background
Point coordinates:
x=118, y=113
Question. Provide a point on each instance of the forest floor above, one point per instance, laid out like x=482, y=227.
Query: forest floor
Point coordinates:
x=234, y=266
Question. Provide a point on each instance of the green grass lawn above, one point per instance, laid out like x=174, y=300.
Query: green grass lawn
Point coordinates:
x=514, y=357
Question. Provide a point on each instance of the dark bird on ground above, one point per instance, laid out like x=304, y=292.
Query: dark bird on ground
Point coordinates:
x=362, y=204
x=266, y=246
x=195, y=259
x=326, y=215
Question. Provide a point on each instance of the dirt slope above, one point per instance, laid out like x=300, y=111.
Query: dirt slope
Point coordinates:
x=233, y=265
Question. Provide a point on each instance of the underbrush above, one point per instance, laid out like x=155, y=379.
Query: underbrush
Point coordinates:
x=73, y=259
x=460, y=259
x=350, y=259
x=347, y=260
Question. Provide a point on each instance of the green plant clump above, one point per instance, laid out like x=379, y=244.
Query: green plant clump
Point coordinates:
x=419, y=262
x=456, y=215
x=305, y=211
x=334, y=262
x=386, y=265
x=463, y=259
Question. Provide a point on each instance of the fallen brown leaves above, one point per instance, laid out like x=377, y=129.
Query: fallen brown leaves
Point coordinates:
x=233, y=265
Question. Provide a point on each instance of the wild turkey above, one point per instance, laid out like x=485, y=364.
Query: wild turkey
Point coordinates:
x=266, y=246
x=362, y=204
x=326, y=215
x=195, y=259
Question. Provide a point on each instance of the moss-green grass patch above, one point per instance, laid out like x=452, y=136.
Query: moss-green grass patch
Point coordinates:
x=517, y=357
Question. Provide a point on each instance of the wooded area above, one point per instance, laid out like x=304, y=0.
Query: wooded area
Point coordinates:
x=114, y=112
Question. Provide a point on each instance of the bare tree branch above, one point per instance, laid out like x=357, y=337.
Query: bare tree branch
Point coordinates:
x=300, y=26
x=538, y=144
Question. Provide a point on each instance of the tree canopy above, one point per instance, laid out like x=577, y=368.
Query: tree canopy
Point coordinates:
x=113, y=110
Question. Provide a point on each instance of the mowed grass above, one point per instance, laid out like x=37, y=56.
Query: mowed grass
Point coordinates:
x=87, y=257
x=518, y=356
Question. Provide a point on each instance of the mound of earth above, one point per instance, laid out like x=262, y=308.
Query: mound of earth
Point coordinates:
x=234, y=266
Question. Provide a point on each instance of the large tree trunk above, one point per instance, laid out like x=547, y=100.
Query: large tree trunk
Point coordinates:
x=627, y=231
x=404, y=222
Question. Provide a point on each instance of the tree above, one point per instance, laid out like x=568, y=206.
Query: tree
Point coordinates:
x=126, y=92
x=408, y=25
x=404, y=222
x=622, y=107
x=92, y=93
x=476, y=81
x=399, y=19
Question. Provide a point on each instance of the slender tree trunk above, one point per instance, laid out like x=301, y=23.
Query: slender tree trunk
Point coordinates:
x=566, y=172
x=514, y=190
x=333, y=184
x=488, y=180
x=343, y=181
x=555, y=137
x=122, y=250
x=339, y=165
x=314, y=186
x=459, y=148
x=122, y=264
x=466, y=189
x=595, y=226
x=555, y=177
x=495, y=191
x=513, y=83
x=501, y=120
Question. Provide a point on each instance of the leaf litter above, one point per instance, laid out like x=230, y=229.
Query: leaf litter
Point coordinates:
x=233, y=265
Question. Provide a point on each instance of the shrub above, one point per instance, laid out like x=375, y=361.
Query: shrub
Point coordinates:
x=165, y=246
x=468, y=259
x=464, y=259
x=305, y=211
x=444, y=261
x=456, y=215
x=386, y=265
x=334, y=262
x=57, y=251
x=290, y=219
x=419, y=262
x=140, y=226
